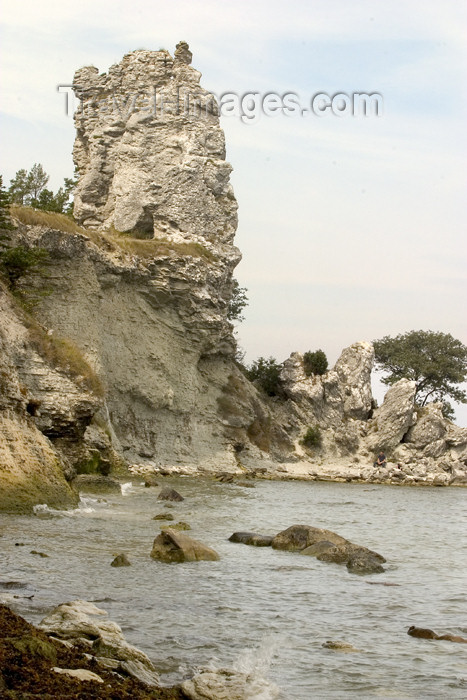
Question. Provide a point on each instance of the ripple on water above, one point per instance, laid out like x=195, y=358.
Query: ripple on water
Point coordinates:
x=255, y=605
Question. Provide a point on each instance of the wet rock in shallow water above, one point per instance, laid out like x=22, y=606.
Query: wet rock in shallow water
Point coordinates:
x=423, y=633
x=150, y=480
x=298, y=537
x=364, y=561
x=318, y=548
x=359, y=560
x=252, y=538
x=96, y=483
x=328, y=546
x=224, y=477
x=339, y=646
x=121, y=560
x=163, y=516
x=168, y=494
x=39, y=554
x=174, y=547
x=177, y=526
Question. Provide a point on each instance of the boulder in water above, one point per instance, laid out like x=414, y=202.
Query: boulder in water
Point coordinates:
x=174, y=547
x=299, y=537
x=168, y=494
x=252, y=538
x=121, y=560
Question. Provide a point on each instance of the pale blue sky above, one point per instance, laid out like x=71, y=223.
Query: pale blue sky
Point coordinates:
x=350, y=228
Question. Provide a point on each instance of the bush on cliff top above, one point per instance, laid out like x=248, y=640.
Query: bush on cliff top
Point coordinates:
x=315, y=363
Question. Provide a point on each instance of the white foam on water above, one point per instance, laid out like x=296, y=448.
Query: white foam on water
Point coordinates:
x=126, y=488
x=249, y=669
x=85, y=505
x=256, y=662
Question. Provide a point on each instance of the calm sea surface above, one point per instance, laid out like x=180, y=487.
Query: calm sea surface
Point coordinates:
x=257, y=609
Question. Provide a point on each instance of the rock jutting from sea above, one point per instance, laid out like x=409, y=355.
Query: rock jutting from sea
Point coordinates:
x=137, y=302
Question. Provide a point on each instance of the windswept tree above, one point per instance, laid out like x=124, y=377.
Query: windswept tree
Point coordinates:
x=435, y=361
x=237, y=303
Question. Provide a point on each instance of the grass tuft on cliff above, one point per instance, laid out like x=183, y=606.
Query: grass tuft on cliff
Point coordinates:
x=112, y=240
x=147, y=248
x=63, y=353
x=38, y=217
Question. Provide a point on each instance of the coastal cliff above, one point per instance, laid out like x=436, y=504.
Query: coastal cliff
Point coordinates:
x=138, y=292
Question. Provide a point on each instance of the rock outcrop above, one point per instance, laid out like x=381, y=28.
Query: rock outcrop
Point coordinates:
x=150, y=151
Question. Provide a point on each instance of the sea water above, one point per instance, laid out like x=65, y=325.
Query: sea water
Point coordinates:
x=259, y=610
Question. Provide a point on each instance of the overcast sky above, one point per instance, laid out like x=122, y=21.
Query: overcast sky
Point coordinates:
x=351, y=227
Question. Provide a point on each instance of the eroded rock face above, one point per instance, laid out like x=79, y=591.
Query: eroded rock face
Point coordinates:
x=343, y=392
x=392, y=420
x=150, y=151
x=32, y=471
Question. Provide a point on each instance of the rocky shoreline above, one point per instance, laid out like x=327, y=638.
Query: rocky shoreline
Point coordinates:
x=339, y=471
x=40, y=664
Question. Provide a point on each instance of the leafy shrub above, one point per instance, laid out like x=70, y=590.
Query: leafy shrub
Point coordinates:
x=315, y=362
x=18, y=261
x=237, y=302
x=266, y=373
x=312, y=437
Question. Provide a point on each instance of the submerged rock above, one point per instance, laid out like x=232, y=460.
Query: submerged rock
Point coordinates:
x=174, y=547
x=423, y=633
x=252, y=538
x=168, y=494
x=339, y=646
x=121, y=560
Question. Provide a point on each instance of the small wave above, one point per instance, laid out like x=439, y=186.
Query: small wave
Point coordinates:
x=126, y=488
x=85, y=505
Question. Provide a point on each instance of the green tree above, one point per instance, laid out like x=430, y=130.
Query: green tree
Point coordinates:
x=18, y=261
x=19, y=187
x=36, y=180
x=435, y=361
x=315, y=362
x=5, y=219
x=238, y=301
x=266, y=373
